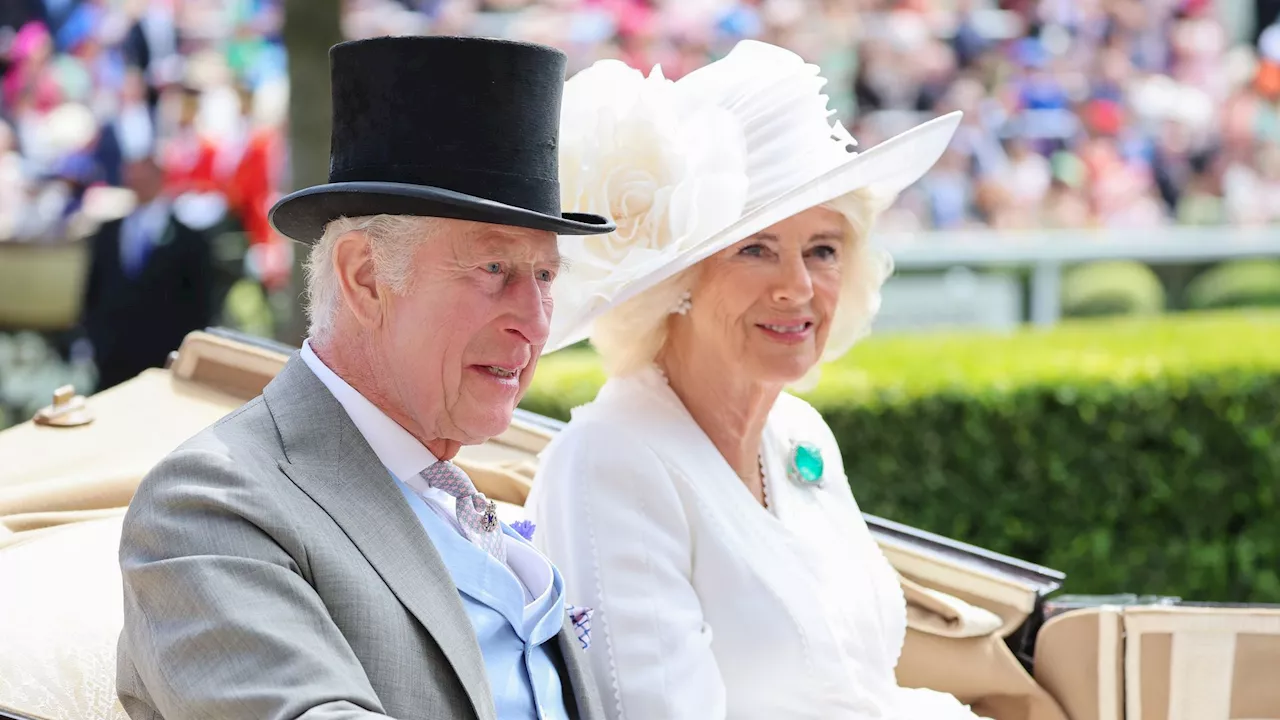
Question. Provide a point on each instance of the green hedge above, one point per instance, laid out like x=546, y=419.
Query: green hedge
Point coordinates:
x=1112, y=287
x=1236, y=284
x=1134, y=455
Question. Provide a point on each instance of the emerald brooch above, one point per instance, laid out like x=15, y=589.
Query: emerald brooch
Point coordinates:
x=806, y=465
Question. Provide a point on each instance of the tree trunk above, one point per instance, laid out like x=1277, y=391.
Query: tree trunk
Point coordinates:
x=311, y=27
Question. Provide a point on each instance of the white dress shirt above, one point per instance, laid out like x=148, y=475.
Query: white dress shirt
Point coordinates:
x=707, y=605
x=405, y=457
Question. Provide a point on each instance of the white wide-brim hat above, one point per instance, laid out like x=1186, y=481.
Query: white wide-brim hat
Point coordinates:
x=689, y=168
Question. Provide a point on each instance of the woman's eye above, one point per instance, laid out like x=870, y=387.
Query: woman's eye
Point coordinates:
x=752, y=250
x=493, y=268
x=824, y=252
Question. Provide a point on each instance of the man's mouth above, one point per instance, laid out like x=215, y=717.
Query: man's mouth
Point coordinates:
x=501, y=372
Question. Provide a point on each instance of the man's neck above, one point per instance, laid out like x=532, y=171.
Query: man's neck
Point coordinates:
x=149, y=203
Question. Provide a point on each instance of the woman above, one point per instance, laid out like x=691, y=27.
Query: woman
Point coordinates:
x=700, y=510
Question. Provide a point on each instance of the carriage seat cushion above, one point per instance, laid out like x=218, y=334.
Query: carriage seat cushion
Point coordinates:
x=60, y=618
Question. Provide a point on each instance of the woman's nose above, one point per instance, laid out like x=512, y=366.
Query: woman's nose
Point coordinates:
x=794, y=285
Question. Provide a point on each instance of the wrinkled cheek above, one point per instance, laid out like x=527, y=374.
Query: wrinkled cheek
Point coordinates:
x=526, y=377
x=721, y=328
x=433, y=378
x=826, y=291
x=820, y=339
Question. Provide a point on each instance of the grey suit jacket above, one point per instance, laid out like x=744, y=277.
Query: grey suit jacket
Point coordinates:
x=272, y=569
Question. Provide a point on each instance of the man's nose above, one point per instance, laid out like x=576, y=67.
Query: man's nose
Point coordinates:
x=530, y=310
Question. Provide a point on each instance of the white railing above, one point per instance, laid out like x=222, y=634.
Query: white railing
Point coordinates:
x=1046, y=252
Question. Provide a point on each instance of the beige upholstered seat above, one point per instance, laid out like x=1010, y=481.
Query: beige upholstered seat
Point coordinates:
x=60, y=615
x=1163, y=663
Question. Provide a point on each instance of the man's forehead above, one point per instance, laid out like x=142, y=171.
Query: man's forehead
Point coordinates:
x=505, y=240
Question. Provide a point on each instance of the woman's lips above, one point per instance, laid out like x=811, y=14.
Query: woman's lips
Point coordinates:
x=791, y=331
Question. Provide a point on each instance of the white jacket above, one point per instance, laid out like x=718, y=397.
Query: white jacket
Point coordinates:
x=707, y=605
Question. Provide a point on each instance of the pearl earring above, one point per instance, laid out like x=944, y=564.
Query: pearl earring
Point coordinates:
x=685, y=304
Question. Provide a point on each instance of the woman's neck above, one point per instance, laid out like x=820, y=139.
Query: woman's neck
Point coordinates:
x=731, y=410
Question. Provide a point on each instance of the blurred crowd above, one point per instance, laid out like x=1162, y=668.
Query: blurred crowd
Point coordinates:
x=1079, y=113
x=156, y=129
x=189, y=95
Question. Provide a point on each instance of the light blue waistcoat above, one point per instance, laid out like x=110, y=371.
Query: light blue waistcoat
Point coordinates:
x=513, y=639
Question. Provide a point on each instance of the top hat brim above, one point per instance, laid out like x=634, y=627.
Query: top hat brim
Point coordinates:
x=303, y=215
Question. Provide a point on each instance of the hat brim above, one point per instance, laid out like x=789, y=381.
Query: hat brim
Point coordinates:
x=885, y=171
x=303, y=215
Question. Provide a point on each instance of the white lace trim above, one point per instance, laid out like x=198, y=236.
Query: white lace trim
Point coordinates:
x=603, y=612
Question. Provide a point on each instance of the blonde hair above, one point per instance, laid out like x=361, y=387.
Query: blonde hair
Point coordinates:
x=629, y=337
x=392, y=240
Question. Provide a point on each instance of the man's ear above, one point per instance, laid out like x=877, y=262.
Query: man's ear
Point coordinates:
x=357, y=281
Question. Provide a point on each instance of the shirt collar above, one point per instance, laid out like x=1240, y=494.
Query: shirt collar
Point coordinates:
x=154, y=210
x=402, y=454
x=150, y=216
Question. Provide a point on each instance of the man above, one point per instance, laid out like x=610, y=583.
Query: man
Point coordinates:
x=315, y=554
x=151, y=279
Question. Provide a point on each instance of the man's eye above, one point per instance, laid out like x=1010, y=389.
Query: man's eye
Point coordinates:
x=546, y=276
x=493, y=268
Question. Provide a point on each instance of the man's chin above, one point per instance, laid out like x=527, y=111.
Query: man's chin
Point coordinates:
x=485, y=411
x=483, y=426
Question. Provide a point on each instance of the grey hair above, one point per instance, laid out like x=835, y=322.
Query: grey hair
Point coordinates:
x=629, y=337
x=392, y=241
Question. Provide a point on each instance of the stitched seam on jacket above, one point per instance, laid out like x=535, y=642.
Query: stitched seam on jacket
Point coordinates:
x=604, y=614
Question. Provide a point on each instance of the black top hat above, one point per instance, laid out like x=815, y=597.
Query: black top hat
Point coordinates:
x=464, y=128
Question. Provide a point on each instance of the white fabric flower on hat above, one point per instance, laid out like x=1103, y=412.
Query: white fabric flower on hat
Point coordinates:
x=667, y=169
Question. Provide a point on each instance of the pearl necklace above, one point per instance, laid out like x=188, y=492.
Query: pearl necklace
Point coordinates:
x=764, y=483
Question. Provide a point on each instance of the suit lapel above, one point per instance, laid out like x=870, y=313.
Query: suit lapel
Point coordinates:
x=583, y=700
x=330, y=461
